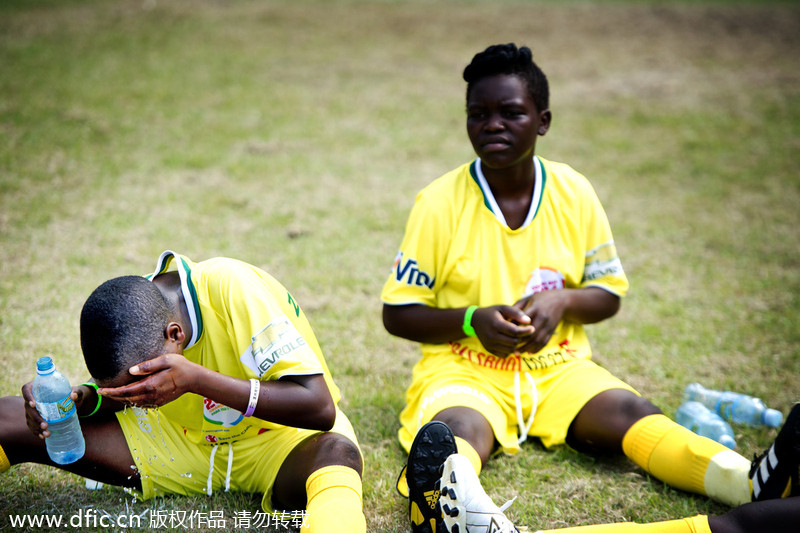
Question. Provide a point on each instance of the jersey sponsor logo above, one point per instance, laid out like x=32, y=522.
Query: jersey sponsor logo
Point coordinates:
x=408, y=272
x=278, y=339
x=602, y=261
x=220, y=434
x=219, y=414
x=546, y=358
x=544, y=279
x=601, y=270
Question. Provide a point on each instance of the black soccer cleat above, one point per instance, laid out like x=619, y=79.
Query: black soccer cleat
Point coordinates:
x=774, y=473
x=433, y=444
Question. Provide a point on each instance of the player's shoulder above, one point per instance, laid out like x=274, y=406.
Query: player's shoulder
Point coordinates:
x=564, y=176
x=222, y=266
x=231, y=273
x=451, y=189
x=449, y=180
x=561, y=171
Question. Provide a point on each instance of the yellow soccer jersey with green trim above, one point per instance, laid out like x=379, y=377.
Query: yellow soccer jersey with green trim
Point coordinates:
x=458, y=251
x=245, y=324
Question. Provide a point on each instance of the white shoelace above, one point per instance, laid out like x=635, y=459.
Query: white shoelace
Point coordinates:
x=507, y=504
x=211, y=468
x=524, y=425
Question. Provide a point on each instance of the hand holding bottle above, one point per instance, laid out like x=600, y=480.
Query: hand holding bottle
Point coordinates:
x=51, y=396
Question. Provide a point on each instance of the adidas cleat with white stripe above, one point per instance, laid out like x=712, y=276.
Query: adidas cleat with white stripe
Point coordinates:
x=774, y=473
x=466, y=508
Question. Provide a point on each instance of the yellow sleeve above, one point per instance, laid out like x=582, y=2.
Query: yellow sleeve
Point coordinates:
x=269, y=342
x=417, y=265
x=602, y=266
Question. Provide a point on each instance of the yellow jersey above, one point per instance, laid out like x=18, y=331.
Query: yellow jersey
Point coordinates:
x=458, y=251
x=245, y=324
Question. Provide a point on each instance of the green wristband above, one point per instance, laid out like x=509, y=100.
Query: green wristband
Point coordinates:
x=467, y=326
x=99, y=398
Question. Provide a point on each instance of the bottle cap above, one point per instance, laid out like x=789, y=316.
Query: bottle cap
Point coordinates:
x=772, y=418
x=692, y=391
x=44, y=365
x=727, y=440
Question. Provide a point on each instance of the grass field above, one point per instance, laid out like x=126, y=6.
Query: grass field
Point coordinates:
x=294, y=135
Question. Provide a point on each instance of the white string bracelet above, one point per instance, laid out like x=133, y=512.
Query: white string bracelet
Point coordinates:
x=255, y=387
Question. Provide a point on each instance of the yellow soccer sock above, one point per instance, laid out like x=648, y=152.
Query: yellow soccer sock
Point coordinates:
x=697, y=524
x=465, y=448
x=688, y=461
x=334, y=501
x=5, y=464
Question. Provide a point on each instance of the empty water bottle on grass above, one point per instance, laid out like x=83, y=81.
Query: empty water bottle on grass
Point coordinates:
x=51, y=390
x=698, y=418
x=733, y=406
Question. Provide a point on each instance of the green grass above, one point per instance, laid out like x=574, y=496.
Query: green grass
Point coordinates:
x=294, y=135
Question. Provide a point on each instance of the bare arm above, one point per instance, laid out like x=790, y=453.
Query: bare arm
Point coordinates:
x=297, y=401
x=502, y=329
x=499, y=328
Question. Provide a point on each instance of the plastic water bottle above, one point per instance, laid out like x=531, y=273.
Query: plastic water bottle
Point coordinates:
x=734, y=407
x=701, y=420
x=51, y=390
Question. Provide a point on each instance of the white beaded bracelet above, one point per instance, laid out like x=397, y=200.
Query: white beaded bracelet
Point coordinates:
x=255, y=387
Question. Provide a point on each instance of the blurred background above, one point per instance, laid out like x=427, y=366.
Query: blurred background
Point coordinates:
x=295, y=135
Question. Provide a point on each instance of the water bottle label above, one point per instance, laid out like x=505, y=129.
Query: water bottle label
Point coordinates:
x=56, y=411
x=725, y=409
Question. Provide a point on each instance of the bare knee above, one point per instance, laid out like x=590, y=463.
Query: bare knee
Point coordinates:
x=605, y=419
x=315, y=453
x=336, y=449
x=471, y=426
x=633, y=408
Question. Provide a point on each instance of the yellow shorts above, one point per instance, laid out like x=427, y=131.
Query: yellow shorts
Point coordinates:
x=169, y=463
x=443, y=381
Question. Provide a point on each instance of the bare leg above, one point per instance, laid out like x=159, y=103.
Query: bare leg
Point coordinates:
x=471, y=426
x=107, y=457
x=318, y=451
x=775, y=516
x=602, y=423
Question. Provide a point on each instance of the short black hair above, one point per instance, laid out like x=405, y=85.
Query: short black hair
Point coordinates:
x=122, y=323
x=508, y=59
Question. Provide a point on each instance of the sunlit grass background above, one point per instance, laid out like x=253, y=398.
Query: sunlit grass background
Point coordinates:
x=295, y=135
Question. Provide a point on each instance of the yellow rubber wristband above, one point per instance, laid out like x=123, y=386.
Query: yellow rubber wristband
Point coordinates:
x=469, y=331
x=99, y=398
